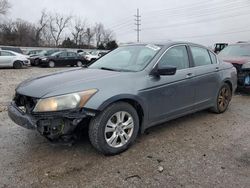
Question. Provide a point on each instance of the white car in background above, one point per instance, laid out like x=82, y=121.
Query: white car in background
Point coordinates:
x=13, y=59
x=89, y=57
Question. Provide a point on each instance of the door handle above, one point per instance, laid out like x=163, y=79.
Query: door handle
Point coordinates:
x=189, y=75
x=217, y=69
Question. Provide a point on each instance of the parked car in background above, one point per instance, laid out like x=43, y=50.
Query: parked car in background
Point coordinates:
x=13, y=49
x=63, y=59
x=219, y=46
x=33, y=52
x=102, y=54
x=90, y=57
x=125, y=92
x=36, y=59
x=239, y=56
x=13, y=59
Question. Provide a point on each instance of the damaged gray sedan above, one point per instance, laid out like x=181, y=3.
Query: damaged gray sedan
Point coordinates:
x=125, y=92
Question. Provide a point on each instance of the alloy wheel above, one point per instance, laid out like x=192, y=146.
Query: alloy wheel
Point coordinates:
x=119, y=129
x=224, y=98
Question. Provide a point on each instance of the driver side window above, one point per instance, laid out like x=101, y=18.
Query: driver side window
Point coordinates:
x=63, y=54
x=175, y=57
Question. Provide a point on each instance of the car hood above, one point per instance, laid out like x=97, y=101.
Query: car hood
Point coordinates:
x=36, y=56
x=64, y=82
x=235, y=60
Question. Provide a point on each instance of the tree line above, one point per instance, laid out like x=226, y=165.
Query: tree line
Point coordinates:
x=54, y=30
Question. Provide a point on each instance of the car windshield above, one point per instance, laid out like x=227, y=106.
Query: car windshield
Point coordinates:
x=127, y=58
x=236, y=50
x=55, y=53
x=42, y=53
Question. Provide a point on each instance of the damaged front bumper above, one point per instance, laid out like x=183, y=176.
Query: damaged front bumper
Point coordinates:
x=20, y=118
x=52, y=125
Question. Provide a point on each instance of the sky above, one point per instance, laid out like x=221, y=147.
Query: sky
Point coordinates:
x=200, y=21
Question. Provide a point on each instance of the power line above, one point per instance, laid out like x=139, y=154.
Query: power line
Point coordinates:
x=199, y=21
x=194, y=6
x=138, y=24
x=199, y=12
x=209, y=35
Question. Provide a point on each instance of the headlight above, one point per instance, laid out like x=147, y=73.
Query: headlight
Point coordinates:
x=64, y=102
x=44, y=59
x=246, y=66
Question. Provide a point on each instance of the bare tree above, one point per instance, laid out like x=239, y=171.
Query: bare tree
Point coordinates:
x=18, y=33
x=58, y=23
x=108, y=36
x=99, y=28
x=46, y=37
x=78, y=31
x=42, y=23
x=4, y=7
x=89, y=35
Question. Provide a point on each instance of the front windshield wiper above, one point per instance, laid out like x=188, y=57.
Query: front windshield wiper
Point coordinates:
x=117, y=70
x=109, y=69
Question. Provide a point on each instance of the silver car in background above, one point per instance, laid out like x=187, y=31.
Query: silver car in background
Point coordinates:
x=13, y=59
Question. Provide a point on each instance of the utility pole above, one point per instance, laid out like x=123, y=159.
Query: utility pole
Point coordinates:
x=138, y=23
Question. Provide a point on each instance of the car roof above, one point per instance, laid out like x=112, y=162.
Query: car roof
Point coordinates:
x=167, y=44
x=9, y=51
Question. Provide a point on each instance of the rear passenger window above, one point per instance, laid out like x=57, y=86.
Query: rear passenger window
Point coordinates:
x=175, y=57
x=201, y=56
x=6, y=54
x=213, y=58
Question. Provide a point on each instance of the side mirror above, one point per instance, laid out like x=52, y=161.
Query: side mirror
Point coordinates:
x=164, y=71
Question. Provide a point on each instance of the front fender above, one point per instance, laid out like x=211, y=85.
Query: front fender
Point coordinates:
x=113, y=99
x=123, y=97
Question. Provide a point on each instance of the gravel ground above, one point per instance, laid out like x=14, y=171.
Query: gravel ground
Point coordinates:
x=199, y=150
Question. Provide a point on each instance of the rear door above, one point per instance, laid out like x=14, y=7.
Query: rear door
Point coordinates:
x=6, y=58
x=207, y=76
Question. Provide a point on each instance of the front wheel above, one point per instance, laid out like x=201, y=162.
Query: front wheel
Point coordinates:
x=114, y=129
x=223, y=99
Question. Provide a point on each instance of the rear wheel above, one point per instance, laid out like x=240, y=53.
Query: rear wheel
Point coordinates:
x=223, y=99
x=79, y=64
x=114, y=129
x=51, y=64
x=17, y=65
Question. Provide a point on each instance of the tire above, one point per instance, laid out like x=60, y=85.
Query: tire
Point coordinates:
x=223, y=99
x=36, y=62
x=18, y=65
x=79, y=64
x=51, y=64
x=102, y=140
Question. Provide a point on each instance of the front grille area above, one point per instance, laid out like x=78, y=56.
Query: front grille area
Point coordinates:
x=25, y=103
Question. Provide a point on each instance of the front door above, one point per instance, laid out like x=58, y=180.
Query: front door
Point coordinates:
x=171, y=96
